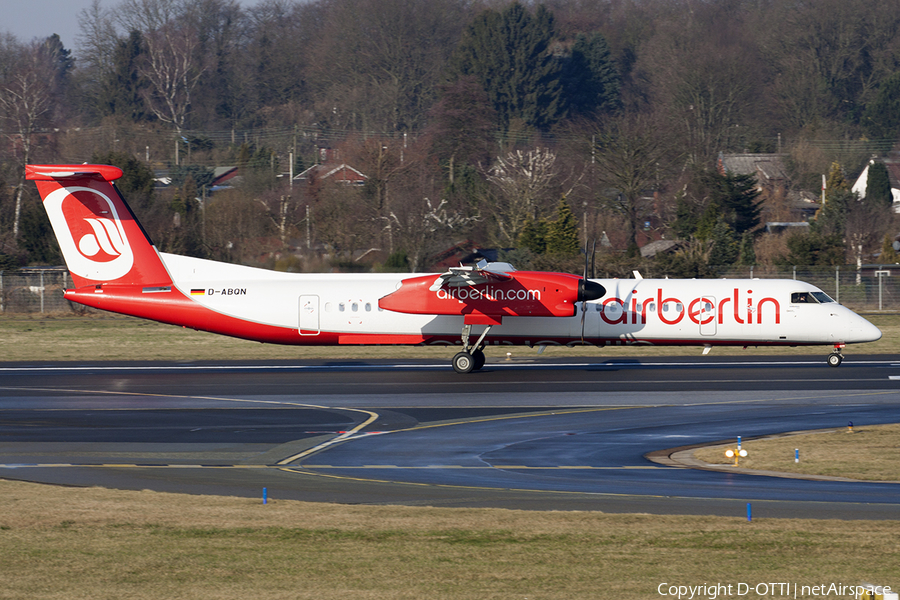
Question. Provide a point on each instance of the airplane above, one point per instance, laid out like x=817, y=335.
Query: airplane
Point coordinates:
x=115, y=267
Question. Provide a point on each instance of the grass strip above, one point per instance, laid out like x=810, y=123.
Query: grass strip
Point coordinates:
x=868, y=453
x=92, y=543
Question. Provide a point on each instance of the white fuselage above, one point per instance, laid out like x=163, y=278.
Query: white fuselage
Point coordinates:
x=343, y=308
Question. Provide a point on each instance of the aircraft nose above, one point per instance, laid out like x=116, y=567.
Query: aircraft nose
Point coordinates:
x=863, y=331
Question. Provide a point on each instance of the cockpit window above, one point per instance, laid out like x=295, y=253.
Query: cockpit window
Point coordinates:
x=810, y=298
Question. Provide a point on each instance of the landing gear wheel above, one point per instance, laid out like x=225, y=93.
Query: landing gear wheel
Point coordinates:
x=463, y=362
x=478, y=355
x=834, y=359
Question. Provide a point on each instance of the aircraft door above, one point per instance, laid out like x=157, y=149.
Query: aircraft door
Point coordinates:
x=703, y=311
x=309, y=315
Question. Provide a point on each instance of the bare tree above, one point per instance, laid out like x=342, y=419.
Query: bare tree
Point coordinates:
x=523, y=180
x=173, y=67
x=632, y=154
x=382, y=160
x=149, y=15
x=376, y=63
x=426, y=226
x=96, y=45
x=173, y=61
x=26, y=97
x=705, y=75
x=865, y=226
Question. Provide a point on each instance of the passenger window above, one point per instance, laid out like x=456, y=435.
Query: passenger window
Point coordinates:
x=651, y=307
x=354, y=307
x=341, y=307
x=368, y=307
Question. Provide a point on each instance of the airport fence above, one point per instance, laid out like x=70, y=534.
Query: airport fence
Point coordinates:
x=868, y=288
x=864, y=288
x=38, y=290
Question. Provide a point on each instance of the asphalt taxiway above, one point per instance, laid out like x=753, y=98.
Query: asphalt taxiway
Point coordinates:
x=533, y=434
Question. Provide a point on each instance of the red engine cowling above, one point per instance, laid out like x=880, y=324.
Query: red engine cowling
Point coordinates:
x=522, y=294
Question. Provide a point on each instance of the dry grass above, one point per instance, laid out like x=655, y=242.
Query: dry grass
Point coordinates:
x=71, y=543
x=92, y=543
x=864, y=453
x=105, y=337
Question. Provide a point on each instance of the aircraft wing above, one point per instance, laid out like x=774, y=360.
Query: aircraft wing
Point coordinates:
x=468, y=277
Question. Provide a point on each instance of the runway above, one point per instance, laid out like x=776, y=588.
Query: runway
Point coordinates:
x=529, y=434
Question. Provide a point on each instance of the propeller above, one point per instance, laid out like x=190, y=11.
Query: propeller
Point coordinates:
x=587, y=289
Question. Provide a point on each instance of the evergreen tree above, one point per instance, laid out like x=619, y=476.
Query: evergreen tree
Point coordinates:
x=746, y=255
x=534, y=236
x=707, y=222
x=36, y=237
x=137, y=179
x=878, y=185
x=562, y=234
x=398, y=262
x=590, y=78
x=63, y=66
x=832, y=217
x=814, y=249
x=836, y=183
x=738, y=200
x=686, y=221
x=187, y=235
x=888, y=253
x=508, y=54
x=724, y=249
x=882, y=115
x=122, y=90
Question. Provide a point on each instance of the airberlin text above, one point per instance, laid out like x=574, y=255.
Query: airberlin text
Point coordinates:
x=488, y=293
x=712, y=591
x=740, y=308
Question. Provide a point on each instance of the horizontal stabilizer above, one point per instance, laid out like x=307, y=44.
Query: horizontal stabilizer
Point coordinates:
x=68, y=172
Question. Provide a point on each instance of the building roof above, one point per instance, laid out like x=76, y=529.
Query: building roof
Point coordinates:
x=659, y=246
x=342, y=173
x=766, y=167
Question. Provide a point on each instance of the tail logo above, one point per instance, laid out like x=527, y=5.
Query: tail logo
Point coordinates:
x=90, y=233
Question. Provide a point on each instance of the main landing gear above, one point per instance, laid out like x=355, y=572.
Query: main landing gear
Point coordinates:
x=472, y=356
x=834, y=359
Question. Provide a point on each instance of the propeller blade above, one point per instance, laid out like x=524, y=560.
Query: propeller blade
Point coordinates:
x=587, y=289
x=583, y=311
x=593, y=257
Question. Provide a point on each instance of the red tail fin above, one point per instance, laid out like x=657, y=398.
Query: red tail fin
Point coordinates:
x=100, y=238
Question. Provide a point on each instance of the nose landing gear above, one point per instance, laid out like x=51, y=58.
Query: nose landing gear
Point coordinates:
x=834, y=359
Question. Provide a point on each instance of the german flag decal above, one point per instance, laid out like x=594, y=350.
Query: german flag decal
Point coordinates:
x=198, y=292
